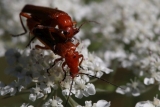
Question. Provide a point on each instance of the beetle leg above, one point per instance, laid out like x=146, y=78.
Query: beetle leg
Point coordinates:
x=25, y=15
x=76, y=41
x=64, y=63
x=76, y=31
x=55, y=61
x=25, y=30
x=52, y=29
x=30, y=41
x=51, y=35
x=44, y=27
x=74, y=23
x=81, y=60
x=77, y=44
x=41, y=47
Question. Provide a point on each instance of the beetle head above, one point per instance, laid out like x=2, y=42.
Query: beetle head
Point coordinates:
x=68, y=32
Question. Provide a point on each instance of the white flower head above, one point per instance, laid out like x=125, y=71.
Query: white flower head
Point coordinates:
x=154, y=103
x=36, y=93
x=12, y=88
x=100, y=103
x=5, y=90
x=35, y=67
x=80, y=88
x=144, y=104
x=26, y=105
x=148, y=81
x=55, y=102
x=154, y=70
x=134, y=88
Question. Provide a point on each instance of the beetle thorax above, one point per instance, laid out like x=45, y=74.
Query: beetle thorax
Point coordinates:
x=64, y=21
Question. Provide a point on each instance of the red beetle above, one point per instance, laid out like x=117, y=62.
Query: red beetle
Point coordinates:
x=55, y=20
x=67, y=51
x=42, y=23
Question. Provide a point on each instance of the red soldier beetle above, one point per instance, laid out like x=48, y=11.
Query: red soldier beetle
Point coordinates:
x=67, y=51
x=55, y=20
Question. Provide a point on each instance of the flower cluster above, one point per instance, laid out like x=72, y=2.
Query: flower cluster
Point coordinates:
x=153, y=74
x=154, y=103
x=30, y=66
x=134, y=88
x=100, y=103
x=131, y=31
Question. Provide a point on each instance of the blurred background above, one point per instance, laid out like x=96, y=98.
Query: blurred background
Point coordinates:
x=126, y=38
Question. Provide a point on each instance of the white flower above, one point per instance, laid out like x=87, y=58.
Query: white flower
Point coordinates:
x=134, y=88
x=154, y=103
x=35, y=93
x=32, y=97
x=144, y=104
x=156, y=76
x=93, y=65
x=103, y=103
x=45, y=88
x=83, y=89
x=5, y=90
x=79, y=87
x=99, y=66
x=50, y=81
x=67, y=85
x=26, y=105
x=87, y=90
x=100, y=103
x=12, y=88
x=88, y=103
x=123, y=90
x=153, y=68
x=55, y=102
x=148, y=81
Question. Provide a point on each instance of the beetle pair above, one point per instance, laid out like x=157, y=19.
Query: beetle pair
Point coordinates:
x=55, y=29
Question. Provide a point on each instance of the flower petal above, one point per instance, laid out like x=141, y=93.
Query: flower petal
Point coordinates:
x=103, y=103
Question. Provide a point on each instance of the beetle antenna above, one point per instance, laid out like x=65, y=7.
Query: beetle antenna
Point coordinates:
x=85, y=23
x=69, y=94
x=101, y=79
